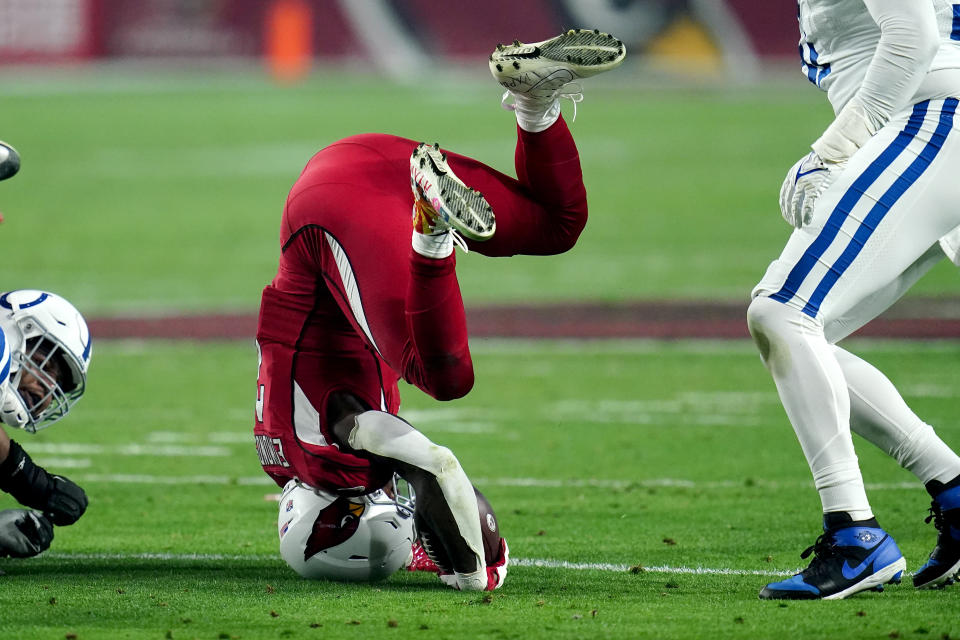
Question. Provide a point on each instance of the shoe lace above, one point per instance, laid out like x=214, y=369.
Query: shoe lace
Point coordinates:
x=823, y=549
x=458, y=240
x=572, y=91
x=936, y=514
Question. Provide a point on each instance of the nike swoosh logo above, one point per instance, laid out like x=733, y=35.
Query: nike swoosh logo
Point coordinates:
x=852, y=572
x=801, y=174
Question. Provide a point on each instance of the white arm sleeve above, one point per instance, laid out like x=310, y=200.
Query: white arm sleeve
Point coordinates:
x=387, y=435
x=908, y=42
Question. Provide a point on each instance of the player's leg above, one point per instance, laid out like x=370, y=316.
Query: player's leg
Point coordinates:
x=880, y=415
x=405, y=304
x=544, y=211
x=864, y=235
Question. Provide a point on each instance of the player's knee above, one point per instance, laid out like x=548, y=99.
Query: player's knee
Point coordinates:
x=452, y=378
x=763, y=317
x=568, y=235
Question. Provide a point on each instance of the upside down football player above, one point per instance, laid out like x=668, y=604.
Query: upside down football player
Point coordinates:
x=354, y=307
x=44, y=355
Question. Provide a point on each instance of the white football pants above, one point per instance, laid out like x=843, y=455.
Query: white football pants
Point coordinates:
x=873, y=234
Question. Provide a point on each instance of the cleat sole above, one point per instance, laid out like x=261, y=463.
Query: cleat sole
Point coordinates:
x=874, y=581
x=461, y=207
x=586, y=53
x=945, y=579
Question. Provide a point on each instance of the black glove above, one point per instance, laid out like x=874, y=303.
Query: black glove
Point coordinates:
x=24, y=533
x=30, y=484
x=66, y=503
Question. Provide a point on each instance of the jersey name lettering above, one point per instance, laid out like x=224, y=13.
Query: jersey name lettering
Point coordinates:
x=270, y=451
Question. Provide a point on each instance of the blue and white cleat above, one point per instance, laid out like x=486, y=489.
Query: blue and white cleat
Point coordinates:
x=845, y=562
x=943, y=566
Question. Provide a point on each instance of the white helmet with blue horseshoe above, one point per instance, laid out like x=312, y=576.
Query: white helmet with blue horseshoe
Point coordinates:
x=43, y=359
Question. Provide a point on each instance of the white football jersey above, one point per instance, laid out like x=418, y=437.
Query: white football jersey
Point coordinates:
x=838, y=39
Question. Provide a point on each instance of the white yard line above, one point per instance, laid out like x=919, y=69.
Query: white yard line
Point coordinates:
x=514, y=562
x=73, y=448
x=536, y=483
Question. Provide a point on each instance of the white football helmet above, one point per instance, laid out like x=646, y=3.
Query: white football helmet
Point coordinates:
x=329, y=537
x=49, y=353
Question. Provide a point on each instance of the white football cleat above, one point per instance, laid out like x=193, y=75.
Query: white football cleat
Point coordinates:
x=540, y=69
x=442, y=202
x=538, y=74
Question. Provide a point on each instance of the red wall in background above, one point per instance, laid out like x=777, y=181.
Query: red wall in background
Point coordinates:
x=65, y=30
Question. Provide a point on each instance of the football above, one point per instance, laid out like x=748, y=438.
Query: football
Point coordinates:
x=489, y=530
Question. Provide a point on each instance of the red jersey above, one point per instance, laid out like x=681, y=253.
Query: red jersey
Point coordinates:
x=353, y=308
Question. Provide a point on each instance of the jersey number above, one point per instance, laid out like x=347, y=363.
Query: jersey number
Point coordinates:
x=261, y=389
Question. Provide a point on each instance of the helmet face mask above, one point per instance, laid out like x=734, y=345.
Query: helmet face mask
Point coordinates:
x=52, y=390
x=50, y=352
x=328, y=537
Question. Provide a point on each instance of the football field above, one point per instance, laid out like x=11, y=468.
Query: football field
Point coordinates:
x=647, y=489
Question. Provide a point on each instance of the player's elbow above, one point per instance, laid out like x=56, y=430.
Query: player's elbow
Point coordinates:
x=912, y=38
x=443, y=462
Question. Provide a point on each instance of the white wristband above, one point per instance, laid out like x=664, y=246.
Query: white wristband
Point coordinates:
x=847, y=133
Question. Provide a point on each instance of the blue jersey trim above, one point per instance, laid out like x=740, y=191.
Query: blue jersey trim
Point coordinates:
x=955, y=33
x=815, y=72
x=831, y=229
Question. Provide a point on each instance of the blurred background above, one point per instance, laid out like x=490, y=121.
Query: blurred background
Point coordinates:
x=159, y=139
x=393, y=36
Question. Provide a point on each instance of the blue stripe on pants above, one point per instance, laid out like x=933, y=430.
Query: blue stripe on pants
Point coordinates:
x=883, y=205
x=849, y=200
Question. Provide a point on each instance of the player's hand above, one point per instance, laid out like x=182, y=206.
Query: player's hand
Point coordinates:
x=13, y=412
x=805, y=181
x=496, y=572
x=24, y=533
x=66, y=502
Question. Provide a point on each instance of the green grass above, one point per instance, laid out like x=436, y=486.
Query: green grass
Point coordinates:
x=143, y=192
x=179, y=181
x=666, y=456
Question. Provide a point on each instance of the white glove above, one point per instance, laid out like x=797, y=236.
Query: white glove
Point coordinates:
x=805, y=181
x=13, y=412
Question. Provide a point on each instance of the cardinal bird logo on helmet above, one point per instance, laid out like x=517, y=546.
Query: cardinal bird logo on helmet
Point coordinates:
x=334, y=525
